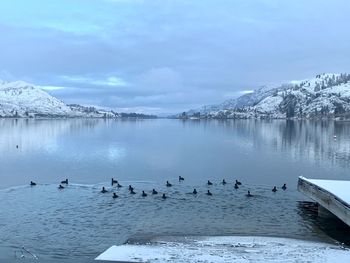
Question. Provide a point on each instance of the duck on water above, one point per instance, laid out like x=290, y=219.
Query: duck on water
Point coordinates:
x=154, y=192
x=64, y=181
x=114, y=181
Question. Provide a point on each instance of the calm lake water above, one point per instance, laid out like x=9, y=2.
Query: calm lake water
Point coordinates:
x=79, y=222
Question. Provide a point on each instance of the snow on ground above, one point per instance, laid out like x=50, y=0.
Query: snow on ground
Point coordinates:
x=269, y=104
x=343, y=90
x=228, y=249
x=22, y=98
x=324, y=95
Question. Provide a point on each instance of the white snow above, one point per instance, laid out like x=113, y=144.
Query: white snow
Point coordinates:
x=318, y=96
x=340, y=189
x=269, y=104
x=228, y=249
x=21, y=99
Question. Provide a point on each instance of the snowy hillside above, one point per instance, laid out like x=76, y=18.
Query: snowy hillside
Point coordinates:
x=21, y=99
x=326, y=95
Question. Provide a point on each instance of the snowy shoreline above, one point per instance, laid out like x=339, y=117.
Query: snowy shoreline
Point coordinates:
x=228, y=249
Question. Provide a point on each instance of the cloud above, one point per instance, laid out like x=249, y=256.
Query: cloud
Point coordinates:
x=76, y=27
x=125, y=1
x=245, y=91
x=169, y=55
x=51, y=88
x=162, y=79
x=6, y=75
x=235, y=94
x=147, y=110
x=106, y=81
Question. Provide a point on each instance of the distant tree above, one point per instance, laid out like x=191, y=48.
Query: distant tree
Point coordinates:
x=290, y=113
x=339, y=109
x=317, y=87
x=197, y=115
x=330, y=83
x=324, y=110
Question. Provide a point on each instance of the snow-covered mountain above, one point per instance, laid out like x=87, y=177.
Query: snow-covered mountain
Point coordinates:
x=21, y=99
x=326, y=95
x=246, y=100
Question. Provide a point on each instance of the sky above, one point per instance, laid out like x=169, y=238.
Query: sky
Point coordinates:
x=167, y=56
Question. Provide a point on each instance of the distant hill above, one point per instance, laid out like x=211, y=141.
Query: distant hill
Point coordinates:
x=21, y=99
x=326, y=95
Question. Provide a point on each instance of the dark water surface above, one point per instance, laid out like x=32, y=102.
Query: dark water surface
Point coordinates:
x=79, y=222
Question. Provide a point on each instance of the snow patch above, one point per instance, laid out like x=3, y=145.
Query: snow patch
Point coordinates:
x=338, y=188
x=326, y=95
x=228, y=249
x=21, y=99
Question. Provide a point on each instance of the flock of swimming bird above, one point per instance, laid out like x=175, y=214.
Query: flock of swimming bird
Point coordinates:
x=154, y=192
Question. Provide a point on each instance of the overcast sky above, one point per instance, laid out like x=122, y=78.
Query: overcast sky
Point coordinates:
x=169, y=55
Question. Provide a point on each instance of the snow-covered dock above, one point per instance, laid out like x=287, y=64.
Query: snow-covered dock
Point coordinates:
x=333, y=195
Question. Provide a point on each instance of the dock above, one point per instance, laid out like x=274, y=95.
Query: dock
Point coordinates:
x=333, y=195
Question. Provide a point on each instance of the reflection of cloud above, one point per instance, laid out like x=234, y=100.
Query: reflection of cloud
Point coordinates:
x=115, y=153
x=306, y=140
x=64, y=138
x=32, y=135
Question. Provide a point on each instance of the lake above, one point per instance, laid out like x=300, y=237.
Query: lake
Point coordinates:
x=78, y=222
